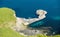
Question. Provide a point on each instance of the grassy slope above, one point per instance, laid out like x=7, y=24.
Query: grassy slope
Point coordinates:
x=55, y=36
x=7, y=18
x=45, y=36
x=7, y=32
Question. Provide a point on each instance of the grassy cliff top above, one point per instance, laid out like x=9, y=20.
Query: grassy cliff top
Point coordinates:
x=7, y=16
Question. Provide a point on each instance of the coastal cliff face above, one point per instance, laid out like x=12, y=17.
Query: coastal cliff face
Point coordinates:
x=22, y=24
x=11, y=26
x=8, y=19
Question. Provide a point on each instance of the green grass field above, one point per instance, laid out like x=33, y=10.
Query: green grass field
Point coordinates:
x=7, y=32
x=7, y=17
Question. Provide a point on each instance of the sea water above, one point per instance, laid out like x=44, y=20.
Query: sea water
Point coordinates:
x=27, y=8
